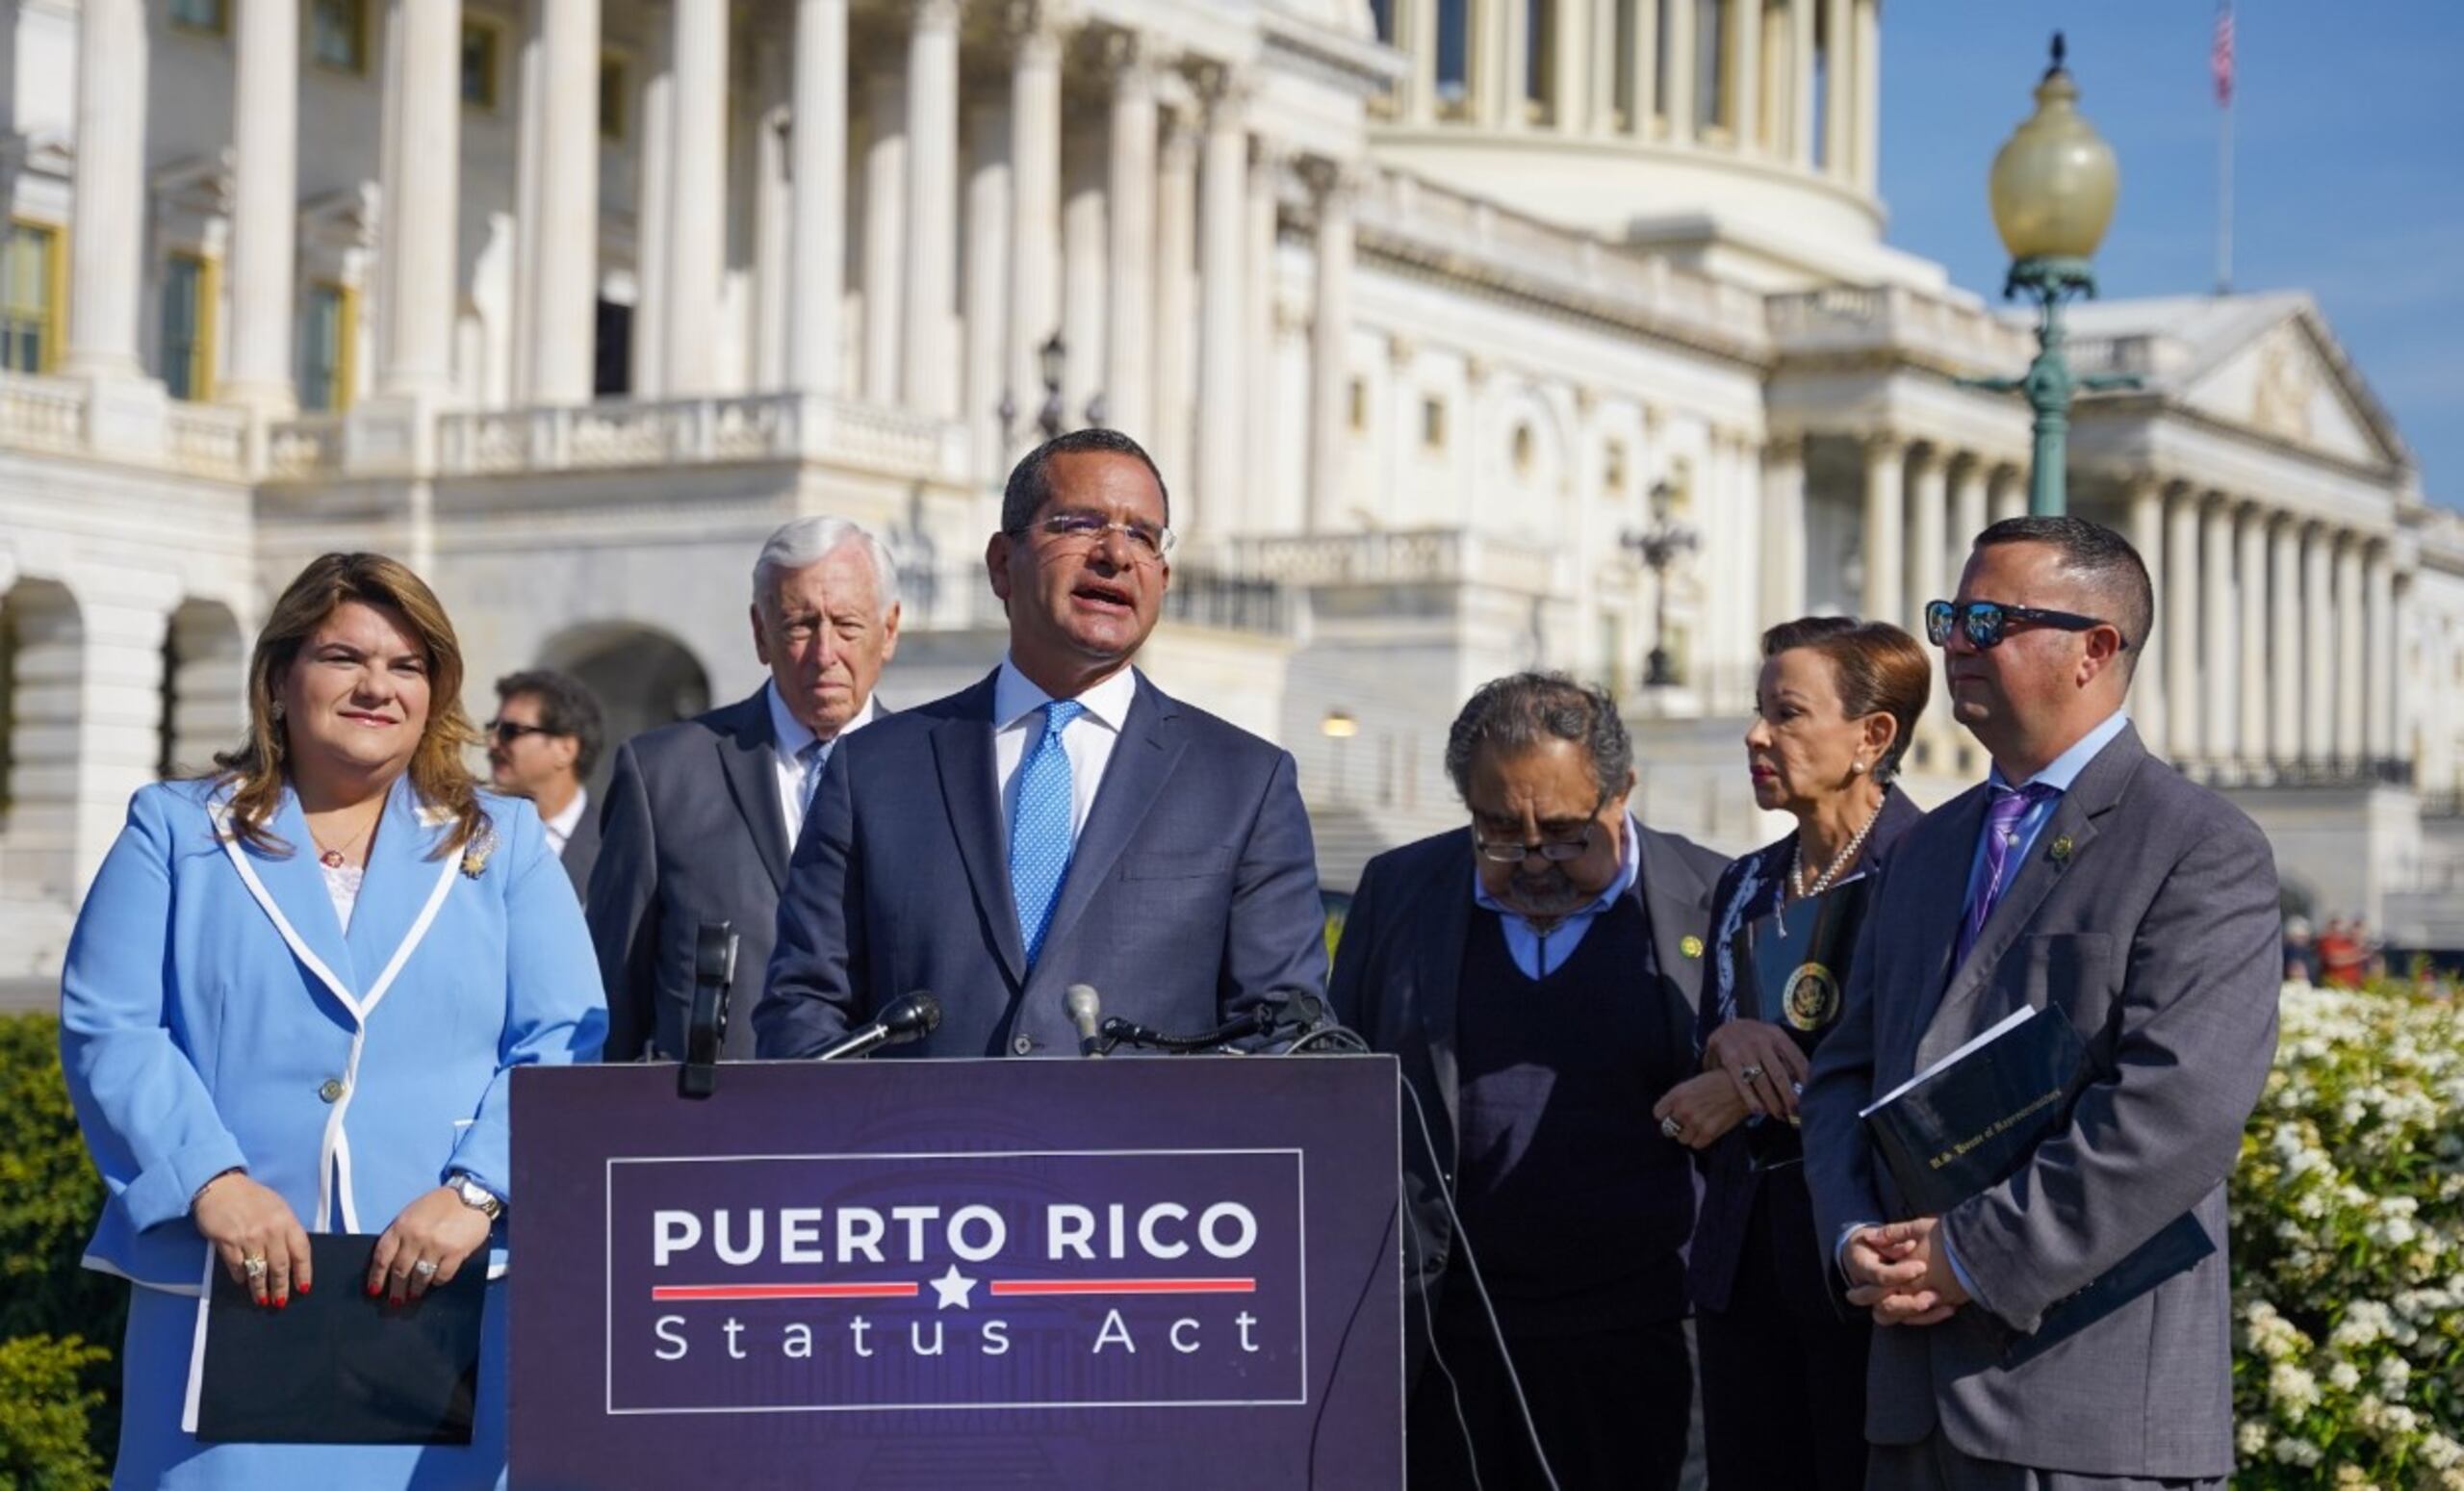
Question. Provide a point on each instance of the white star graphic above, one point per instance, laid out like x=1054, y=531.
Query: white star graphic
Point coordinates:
x=954, y=1288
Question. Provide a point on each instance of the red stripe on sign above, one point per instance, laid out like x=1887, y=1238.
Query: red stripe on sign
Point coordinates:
x=1125, y=1286
x=783, y=1291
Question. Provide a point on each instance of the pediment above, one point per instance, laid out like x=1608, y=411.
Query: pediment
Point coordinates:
x=2291, y=381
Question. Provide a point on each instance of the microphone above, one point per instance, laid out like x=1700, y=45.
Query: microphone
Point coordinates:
x=910, y=1018
x=1085, y=1010
x=706, y=1024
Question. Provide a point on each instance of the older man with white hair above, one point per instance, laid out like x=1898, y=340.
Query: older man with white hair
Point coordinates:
x=702, y=815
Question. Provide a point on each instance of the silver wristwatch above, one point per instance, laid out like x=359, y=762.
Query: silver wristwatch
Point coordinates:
x=477, y=1196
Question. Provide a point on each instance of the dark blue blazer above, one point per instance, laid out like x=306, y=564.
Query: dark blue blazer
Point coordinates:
x=1191, y=896
x=1731, y=1183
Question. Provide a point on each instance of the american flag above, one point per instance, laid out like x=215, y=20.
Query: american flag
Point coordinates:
x=2219, y=57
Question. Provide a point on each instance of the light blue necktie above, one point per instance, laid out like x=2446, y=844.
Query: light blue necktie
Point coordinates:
x=813, y=755
x=1040, y=833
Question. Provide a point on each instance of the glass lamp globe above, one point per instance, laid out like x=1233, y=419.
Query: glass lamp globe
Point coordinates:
x=2054, y=180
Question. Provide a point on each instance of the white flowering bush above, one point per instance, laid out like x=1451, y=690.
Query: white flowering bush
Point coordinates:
x=2349, y=1248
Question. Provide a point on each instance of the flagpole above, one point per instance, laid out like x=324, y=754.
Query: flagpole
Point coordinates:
x=2228, y=43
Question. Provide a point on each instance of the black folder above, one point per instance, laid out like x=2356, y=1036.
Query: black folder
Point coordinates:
x=1967, y=1122
x=1791, y=969
x=335, y=1367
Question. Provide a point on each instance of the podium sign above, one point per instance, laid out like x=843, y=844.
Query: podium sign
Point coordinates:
x=1131, y=1273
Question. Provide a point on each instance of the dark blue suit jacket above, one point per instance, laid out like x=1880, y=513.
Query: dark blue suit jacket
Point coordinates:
x=1192, y=895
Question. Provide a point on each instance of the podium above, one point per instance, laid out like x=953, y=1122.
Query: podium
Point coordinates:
x=1152, y=1272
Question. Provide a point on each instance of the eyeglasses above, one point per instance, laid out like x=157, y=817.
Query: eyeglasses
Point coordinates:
x=1986, y=622
x=1557, y=851
x=1147, y=543
x=507, y=732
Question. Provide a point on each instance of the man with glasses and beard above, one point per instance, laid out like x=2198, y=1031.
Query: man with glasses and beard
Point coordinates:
x=1537, y=977
x=2088, y=876
x=543, y=745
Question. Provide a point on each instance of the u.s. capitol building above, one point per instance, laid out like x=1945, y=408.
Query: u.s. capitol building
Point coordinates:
x=1416, y=302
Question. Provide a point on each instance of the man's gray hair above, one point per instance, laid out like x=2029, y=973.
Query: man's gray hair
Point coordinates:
x=1514, y=713
x=804, y=542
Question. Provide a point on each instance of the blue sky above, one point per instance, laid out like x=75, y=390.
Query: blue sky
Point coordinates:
x=2349, y=176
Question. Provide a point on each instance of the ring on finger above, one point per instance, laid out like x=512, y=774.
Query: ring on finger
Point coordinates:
x=1672, y=1126
x=253, y=1266
x=1750, y=1073
x=425, y=1268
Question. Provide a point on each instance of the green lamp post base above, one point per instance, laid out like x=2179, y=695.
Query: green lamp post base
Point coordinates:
x=2049, y=386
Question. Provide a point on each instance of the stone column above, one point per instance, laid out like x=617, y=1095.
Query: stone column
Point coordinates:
x=107, y=228
x=2352, y=649
x=1417, y=28
x=987, y=274
x=1034, y=198
x=1868, y=88
x=818, y=169
x=419, y=259
x=1680, y=71
x=2284, y=646
x=1783, y=591
x=885, y=232
x=1175, y=296
x=1130, y=277
x=654, y=160
x=1801, y=91
x=1085, y=296
x=1928, y=519
x=1886, y=497
x=1646, y=42
x=265, y=207
x=2009, y=494
x=769, y=114
x=2181, y=625
x=1570, y=108
x=929, y=363
x=2318, y=649
x=1513, y=52
x=1744, y=21
x=2251, y=576
x=1839, y=100
x=1970, y=505
x=1223, y=376
x=1330, y=350
x=2379, y=741
x=696, y=224
x=1271, y=501
x=2221, y=619
x=2145, y=497
x=563, y=293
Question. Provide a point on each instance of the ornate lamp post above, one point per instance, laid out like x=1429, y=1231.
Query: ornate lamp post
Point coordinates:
x=1660, y=547
x=2052, y=191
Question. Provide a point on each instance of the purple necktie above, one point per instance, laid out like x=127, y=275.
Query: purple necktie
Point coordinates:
x=2001, y=823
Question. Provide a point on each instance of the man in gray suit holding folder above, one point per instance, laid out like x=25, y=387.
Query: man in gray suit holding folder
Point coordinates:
x=2088, y=875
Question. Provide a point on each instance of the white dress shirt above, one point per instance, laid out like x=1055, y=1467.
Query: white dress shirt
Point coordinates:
x=791, y=737
x=560, y=828
x=1088, y=740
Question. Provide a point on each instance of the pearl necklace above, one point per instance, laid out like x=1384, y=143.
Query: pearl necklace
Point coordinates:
x=1847, y=857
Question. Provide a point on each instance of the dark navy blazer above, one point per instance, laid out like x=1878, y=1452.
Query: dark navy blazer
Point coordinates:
x=1729, y=1182
x=1192, y=895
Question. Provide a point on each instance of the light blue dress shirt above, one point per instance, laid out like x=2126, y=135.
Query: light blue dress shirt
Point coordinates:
x=1538, y=953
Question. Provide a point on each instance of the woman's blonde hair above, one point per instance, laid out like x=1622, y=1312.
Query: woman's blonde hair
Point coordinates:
x=440, y=773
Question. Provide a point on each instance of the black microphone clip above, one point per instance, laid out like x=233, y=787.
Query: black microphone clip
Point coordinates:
x=705, y=1023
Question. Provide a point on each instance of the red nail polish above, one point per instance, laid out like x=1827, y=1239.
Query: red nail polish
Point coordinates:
x=303, y=1288
x=371, y=1290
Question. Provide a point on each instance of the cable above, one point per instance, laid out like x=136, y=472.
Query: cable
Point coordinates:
x=1479, y=1288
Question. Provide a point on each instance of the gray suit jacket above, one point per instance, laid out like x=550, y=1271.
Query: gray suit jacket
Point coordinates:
x=690, y=832
x=2148, y=912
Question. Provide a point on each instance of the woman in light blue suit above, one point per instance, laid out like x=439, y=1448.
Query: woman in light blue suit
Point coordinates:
x=292, y=1002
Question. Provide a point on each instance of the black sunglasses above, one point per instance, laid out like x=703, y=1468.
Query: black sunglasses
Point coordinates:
x=1986, y=622
x=507, y=732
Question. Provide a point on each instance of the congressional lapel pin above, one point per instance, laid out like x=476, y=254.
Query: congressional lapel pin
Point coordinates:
x=2061, y=848
x=1690, y=945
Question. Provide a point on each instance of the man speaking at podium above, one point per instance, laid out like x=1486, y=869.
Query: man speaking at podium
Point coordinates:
x=1064, y=821
x=2086, y=876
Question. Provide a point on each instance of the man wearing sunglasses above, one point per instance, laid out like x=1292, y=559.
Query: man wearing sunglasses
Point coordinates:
x=2090, y=877
x=543, y=745
x=1061, y=822
x=1536, y=976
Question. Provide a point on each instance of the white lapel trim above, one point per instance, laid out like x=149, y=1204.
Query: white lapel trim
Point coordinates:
x=333, y=1163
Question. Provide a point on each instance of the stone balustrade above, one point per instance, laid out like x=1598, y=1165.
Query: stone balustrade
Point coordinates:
x=42, y=414
x=698, y=432
x=1952, y=333
x=54, y=415
x=1396, y=557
